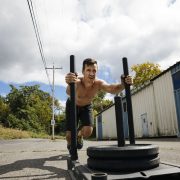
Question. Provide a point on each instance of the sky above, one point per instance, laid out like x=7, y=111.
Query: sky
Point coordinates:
x=106, y=30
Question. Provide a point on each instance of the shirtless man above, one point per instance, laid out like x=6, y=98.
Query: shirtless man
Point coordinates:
x=86, y=89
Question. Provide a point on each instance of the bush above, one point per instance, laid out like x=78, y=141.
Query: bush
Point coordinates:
x=13, y=122
x=22, y=124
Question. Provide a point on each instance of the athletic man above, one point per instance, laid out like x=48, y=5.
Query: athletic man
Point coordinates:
x=87, y=87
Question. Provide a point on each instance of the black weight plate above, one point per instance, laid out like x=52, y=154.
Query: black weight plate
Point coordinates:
x=125, y=152
x=123, y=165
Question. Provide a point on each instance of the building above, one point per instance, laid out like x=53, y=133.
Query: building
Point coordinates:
x=156, y=109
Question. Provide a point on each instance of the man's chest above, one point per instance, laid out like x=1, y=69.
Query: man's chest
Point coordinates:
x=86, y=92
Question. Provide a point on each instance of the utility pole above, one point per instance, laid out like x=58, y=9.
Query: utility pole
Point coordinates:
x=53, y=121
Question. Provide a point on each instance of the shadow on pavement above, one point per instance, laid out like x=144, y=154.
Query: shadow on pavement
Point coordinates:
x=54, y=172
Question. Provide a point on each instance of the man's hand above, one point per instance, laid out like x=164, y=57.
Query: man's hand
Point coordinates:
x=71, y=77
x=126, y=80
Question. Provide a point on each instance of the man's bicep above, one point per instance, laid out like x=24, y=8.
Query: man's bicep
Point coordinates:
x=105, y=87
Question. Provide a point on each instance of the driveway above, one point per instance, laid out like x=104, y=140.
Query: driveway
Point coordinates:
x=26, y=159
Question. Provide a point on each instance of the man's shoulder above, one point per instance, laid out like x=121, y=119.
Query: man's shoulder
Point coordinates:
x=100, y=81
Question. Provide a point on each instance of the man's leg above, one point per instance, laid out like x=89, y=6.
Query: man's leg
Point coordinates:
x=86, y=117
x=68, y=137
x=84, y=132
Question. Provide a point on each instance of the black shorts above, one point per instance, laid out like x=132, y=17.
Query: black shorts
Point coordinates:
x=84, y=115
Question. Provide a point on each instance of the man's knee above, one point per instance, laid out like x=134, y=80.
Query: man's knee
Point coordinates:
x=68, y=135
x=87, y=131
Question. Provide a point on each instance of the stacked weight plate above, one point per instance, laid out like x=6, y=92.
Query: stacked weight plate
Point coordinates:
x=127, y=158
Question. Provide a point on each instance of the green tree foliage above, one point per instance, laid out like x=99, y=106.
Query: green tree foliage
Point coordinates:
x=4, y=110
x=99, y=103
x=60, y=122
x=29, y=108
x=145, y=72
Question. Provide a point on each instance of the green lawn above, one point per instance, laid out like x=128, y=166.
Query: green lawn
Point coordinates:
x=8, y=133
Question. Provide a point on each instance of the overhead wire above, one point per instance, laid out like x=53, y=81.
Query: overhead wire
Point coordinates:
x=31, y=9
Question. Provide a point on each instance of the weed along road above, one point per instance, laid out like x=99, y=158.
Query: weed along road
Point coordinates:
x=46, y=159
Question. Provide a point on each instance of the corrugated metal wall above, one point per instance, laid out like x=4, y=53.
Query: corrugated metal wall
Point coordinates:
x=143, y=104
x=154, y=111
x=157, y=102
x=165, y=105
x=109, y=124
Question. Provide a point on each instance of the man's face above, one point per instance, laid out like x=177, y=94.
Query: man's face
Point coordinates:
x=90, y=71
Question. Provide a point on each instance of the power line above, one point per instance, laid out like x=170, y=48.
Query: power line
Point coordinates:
x=30, y=5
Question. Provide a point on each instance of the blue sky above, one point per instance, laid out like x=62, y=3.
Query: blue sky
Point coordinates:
x=60, y=91
x=104, y=30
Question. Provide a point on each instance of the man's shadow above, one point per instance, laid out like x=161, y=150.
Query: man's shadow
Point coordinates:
x=54, y=172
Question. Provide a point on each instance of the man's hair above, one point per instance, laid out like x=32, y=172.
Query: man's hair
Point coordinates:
x=88, y=62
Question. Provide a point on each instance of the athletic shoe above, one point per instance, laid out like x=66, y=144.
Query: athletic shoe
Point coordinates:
x=69, y=148
x=79, y=142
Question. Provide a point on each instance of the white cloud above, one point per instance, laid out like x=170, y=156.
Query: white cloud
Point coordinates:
x=62, y=103
x=3, y=94
x=109, y=96
x=104, y=30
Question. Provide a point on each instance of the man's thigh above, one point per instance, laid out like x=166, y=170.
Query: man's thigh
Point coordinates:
x=86, y=117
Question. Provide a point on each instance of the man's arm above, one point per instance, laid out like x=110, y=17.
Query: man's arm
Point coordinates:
x=111, y=88
x=68, y=90
x=71, y=77
x=116, y=88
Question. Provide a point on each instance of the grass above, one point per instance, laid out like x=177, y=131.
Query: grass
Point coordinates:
x=8, y=133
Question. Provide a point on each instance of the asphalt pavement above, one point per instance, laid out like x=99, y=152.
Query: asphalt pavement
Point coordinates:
x=34, y=159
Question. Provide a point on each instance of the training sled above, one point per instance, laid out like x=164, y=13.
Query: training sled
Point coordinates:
x=120, y=161
x=80, y=171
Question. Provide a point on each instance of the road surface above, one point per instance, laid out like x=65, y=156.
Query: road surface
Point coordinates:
x=33, y=159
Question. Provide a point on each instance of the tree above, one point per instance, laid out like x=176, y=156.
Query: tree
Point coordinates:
x=30, y=108
x=60, y=126
x=145, y=72
x=99, y=103
x=4, y=110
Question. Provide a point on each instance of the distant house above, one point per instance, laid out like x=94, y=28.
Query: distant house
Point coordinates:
x=156, y=109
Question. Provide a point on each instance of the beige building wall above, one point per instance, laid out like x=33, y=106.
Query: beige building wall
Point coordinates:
x=165, y=105
x=144, y=108
x=154, y=111
x=109, y=124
